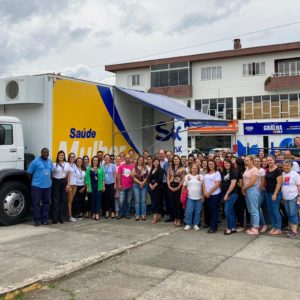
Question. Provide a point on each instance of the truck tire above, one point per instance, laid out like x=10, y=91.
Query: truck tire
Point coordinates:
x=14, y=202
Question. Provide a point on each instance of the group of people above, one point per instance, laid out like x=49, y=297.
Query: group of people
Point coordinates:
x=251, y=192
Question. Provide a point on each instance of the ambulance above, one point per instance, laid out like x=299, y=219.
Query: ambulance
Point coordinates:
x=73, y=115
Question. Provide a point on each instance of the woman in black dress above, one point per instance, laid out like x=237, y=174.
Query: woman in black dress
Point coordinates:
x=155, y=183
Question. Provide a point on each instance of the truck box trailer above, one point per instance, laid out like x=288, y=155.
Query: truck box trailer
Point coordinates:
x=73, y=115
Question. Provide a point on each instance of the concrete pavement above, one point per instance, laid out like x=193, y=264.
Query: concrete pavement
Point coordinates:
x=31, y=254
x=148, y=262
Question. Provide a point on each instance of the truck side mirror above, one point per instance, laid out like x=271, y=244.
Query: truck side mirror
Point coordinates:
x=2, y=135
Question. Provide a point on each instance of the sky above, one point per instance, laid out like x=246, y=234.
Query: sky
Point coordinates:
x=79, y=37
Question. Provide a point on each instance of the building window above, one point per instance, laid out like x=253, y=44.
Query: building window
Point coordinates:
x=211, y=73
x=267, y=107
x=289, y=68
x=219, y=107
x=135, y=80
x=255, y=68
x=170, y=74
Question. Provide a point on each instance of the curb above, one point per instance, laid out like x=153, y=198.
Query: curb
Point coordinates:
x=11, y=291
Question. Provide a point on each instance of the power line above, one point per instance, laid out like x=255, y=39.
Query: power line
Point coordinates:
x=182, y=48
x=207, y=43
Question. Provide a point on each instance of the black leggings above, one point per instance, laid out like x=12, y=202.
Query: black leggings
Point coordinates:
x=59, y=200
x=157, y=199
x=108, y=197
x=176, y=204
x=78, y=206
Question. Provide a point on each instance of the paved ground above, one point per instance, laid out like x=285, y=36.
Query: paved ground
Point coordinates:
x=168, y=264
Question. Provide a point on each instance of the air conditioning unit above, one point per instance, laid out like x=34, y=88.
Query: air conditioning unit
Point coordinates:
x=22, y=89
x=12, y=89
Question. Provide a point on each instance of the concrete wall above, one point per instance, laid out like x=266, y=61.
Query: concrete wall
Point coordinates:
x=122, y=79
x=233, y=83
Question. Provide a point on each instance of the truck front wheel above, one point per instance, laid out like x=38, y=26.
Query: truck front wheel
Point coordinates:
x=14, y=200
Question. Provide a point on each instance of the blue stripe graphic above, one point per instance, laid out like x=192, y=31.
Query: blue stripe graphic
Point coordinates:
x=106, y=95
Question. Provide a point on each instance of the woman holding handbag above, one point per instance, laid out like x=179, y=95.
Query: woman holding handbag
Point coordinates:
x=193, y=183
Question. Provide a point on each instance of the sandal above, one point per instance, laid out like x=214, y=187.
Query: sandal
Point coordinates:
x=179, y=224
x=137, y=218
x=276, y=232
x=252, y=231
x=227, y=231
x=263, y=229
x=154, y=221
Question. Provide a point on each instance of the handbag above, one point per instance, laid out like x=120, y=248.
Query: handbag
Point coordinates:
x=183, y=197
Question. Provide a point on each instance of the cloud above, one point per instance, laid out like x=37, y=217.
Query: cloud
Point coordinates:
x=79, y=71
x=134, y=17
x=17, y=11
x=213, y=12
x=108, y=80
x=34, y=30
x=103, y=38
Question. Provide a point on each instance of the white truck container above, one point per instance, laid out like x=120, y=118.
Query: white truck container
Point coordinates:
x=78, y=116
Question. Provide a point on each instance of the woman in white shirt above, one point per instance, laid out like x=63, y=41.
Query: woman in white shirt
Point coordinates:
x=290, y=190
x=71, y=187
x=59, y=188
x=79, y=199
x=193, y=182
x=212, y=193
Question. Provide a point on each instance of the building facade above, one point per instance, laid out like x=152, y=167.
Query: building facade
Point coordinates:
x=256, y=89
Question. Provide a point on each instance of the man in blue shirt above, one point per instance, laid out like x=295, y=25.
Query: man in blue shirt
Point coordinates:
x=40, y=172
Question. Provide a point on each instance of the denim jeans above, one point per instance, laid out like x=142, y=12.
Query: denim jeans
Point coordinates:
x=292, y=209
x=262, y=195
x=40, y=204
x=273, y=209
x=125, y=202
x=213, y=207
x=193, y=211
x=140, y=199
x=229, y=211
x=96, y=197
x=252, y=200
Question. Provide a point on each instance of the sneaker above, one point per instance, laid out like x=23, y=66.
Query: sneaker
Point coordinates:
x=72, y=220
x=187, y=227
x=196, y=228
x=240, y=229
x=292, y=235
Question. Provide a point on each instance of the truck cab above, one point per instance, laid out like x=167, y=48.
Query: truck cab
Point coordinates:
x=14, y=182
x=11, y=143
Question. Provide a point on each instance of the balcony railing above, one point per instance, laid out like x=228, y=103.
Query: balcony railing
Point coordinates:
x=286, y=74
x=282, y=81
